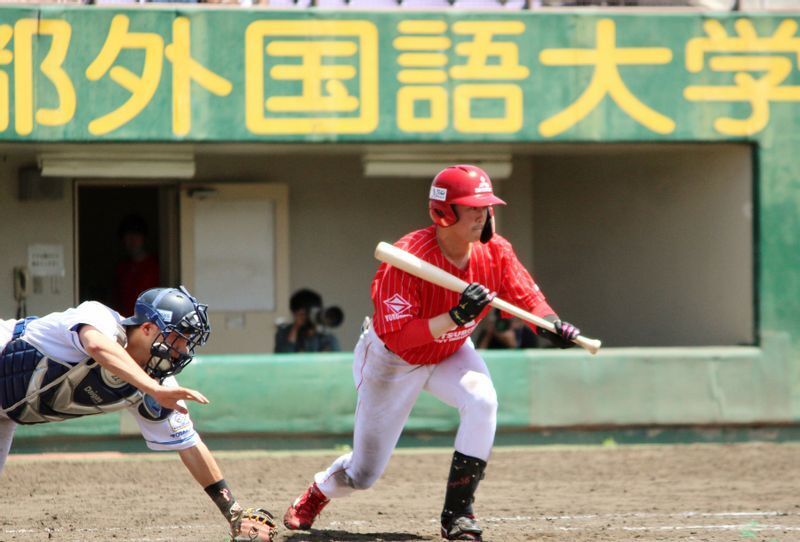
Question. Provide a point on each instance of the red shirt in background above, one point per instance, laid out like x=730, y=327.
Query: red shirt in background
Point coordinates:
x=132, y=278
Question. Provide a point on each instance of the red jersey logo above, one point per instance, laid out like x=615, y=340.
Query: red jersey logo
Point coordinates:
x=396, y=306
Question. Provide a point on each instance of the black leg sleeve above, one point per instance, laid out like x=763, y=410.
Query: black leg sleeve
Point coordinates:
x=221, y=494
x=465, y=474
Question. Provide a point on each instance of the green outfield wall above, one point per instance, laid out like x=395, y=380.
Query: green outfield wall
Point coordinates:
x=311, y=394
x=173, y=75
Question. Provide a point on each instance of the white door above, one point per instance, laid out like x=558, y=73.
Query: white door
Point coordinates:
x=235, y=258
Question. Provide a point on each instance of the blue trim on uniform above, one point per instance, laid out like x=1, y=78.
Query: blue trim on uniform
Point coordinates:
x=172, y=442
x=19, y=327
x=76, y=342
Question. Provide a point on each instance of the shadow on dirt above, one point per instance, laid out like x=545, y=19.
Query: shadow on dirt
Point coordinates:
x=344, y=536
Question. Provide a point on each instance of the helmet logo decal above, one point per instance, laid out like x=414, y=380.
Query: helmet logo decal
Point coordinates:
x=165, y=315
x=483, y=186
x=438, y=193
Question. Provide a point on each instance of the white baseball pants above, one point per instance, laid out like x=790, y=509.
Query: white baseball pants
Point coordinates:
x=7, y=428
x=387, y=389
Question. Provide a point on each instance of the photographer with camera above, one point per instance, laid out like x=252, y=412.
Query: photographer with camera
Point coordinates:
x=499, y=332
x=308, y=331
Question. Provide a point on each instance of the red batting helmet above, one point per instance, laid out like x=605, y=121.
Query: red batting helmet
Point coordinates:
x=463, y=185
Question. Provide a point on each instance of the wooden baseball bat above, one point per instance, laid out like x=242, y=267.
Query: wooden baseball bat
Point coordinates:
x=409, y=263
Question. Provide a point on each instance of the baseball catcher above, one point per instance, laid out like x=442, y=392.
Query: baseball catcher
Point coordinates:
x=89, y=360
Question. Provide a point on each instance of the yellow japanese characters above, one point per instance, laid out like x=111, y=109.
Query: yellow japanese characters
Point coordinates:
x=745, y=55
x=424, y=98
x=334, y=66
x=51, y=67
x=398, y=77
x=606, y=58
x=143, y=87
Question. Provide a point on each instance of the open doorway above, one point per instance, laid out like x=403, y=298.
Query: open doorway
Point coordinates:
x=127, y=242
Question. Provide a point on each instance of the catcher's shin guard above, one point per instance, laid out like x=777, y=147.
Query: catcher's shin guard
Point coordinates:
x=458, y=520
x=305, y=509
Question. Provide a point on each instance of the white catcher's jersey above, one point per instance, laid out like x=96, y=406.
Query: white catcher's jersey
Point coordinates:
x=56, y=336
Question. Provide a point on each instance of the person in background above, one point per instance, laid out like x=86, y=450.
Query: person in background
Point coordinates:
x=499, y=333
x=308, y=330
x=139, y=271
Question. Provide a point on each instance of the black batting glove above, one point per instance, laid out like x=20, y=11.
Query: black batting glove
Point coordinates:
x=473, y=300
x=564, y=335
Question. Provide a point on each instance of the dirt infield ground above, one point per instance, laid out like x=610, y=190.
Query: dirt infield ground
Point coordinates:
x=733, y=492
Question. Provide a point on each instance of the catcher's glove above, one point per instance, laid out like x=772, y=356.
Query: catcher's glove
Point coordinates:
x=252, y=525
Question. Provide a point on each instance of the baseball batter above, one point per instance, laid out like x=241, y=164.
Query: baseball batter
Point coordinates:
x=419, y=340
x=89, y=360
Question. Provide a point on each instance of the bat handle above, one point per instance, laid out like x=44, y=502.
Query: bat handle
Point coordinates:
x=591, y=345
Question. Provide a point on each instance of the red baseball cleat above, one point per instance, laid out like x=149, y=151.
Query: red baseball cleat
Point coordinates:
x=305, y=509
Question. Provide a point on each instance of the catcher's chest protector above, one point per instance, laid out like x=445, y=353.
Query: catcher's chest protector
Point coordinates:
x=37, y=389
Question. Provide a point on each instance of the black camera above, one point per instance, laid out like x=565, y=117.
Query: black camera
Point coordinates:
x=318, y=315
x=326, y=317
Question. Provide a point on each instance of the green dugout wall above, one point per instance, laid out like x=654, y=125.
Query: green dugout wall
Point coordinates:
x=91, y=75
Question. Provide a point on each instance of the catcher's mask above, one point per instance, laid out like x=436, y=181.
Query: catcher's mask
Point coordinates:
x=463, y=185
x=183, y=325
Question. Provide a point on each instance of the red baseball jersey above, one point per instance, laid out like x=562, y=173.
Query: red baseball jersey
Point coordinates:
x=399, y=297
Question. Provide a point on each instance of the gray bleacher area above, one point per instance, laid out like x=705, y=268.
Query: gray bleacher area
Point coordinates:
x=714, y=5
